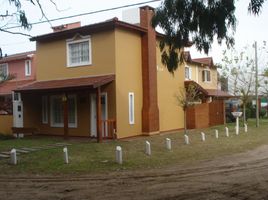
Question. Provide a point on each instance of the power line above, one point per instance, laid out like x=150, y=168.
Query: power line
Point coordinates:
x=88, y=13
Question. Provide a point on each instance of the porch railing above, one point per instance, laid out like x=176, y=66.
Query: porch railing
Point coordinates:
x=108, y=128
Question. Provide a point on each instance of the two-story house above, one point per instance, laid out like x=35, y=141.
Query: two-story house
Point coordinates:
x=203, y=73
x=20, y=68
x=102, y=80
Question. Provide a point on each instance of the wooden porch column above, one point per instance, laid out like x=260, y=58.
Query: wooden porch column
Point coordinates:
x=98, y=106
x=65, y=115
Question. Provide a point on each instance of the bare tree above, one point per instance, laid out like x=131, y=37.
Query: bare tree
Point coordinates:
x=239, y=68
x=187, y=97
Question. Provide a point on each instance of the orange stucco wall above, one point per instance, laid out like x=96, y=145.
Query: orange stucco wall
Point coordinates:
x=128, y=79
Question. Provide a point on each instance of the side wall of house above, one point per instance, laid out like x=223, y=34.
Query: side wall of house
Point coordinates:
x=128, y=79
x=170, y=114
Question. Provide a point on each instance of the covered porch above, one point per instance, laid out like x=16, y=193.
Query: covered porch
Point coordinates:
x=80, y=107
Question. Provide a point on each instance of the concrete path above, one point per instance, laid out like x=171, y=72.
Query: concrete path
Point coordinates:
x=25, y=150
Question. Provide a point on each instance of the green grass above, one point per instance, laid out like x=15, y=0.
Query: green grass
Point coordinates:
x=91, y=157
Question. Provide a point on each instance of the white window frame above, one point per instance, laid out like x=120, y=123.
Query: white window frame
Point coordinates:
x=6, y=65
x=190, y=73
x=72, y=41
x=131, y=108
x=44, y=109
x=28, y=67
x=70, y=125
x=206, y=76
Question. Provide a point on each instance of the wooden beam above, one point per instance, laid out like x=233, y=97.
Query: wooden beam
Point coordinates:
x=98, y=106
x=65, y=116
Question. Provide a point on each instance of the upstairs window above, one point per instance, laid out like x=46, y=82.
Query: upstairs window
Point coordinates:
x=3, y=70
x=28, y=68
x=79, y=52
x=188, y=73
x=206, y=77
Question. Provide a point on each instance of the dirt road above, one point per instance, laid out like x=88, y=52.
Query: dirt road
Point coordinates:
x=241, y=176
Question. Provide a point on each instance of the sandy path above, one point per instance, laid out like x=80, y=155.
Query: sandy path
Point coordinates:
x=241, y=176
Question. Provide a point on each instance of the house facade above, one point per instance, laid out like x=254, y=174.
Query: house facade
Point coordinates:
x=103, y=80
x=17, y=70
x=211, y=111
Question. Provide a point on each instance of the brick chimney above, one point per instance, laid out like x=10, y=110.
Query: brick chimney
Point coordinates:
x=64, y=27
x=150, y=111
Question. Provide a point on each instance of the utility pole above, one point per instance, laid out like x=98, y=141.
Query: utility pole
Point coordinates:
x=256, y=87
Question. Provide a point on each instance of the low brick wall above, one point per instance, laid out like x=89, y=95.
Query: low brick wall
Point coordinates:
x=6, y=122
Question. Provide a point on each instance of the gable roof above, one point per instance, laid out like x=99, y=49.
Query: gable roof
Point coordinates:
x=89, y=29
x=18, y=56
x=208, y=61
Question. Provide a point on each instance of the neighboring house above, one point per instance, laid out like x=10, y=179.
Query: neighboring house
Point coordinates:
x=203, y=73
x=21, y=70
x=102, y=80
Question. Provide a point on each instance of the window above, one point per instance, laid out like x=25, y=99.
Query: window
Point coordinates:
x=78, y=52
x=56, y=111
x=3, y=70
x=44, y=110
x=188, y=73
x=27, y=68
x=131, y=107
x=206, y=76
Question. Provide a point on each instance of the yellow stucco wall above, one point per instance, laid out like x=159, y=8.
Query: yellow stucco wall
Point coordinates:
x=6, y=122
x=51, y=57
x=170, y=114
x=128, y=79
x=214, y=78
x=197, y=76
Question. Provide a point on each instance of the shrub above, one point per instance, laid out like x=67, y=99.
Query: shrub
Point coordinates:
x=262, y=113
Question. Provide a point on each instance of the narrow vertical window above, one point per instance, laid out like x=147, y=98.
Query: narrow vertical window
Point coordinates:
x=131, y=107
x=44, y=110
x=27, y=68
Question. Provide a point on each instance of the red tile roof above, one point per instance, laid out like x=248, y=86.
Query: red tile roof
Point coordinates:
x=66, y=84
x=218, y=93
x=208, y=61
x=89, y=29
x=208, y=92
x=8, y=86
x=18, y=56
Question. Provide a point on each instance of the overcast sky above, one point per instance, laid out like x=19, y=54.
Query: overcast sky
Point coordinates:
x=249, y=28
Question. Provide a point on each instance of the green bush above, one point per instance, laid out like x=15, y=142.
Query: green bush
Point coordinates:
x=262, y=113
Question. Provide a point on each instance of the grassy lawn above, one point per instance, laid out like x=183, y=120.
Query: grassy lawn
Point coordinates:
x=91, y=157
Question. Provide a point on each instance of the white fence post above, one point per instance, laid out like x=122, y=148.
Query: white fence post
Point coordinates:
x=13, y=157
x=148, y=148
x=186, y=139
x=246, y=128
x=65, y=155
x=168, y=143
x=217, y=134
x=227, y=131
x=203, y=137
x=118, y=155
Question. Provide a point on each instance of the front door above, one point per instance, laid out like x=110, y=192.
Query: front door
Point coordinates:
x=104, y=114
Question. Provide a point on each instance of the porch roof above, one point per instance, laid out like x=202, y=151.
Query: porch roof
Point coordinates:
x=7, y=87
x=208, y=92
x=67, y=84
